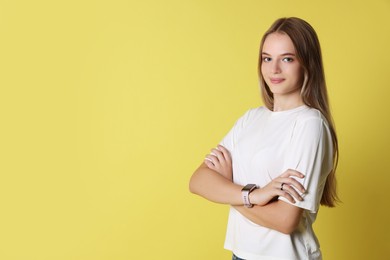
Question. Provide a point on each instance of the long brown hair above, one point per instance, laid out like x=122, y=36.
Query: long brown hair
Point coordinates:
x=313, y=92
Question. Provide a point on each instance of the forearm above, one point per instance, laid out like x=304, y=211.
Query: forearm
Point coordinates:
x=214, y=187
x=277, y=215
x=212, y=180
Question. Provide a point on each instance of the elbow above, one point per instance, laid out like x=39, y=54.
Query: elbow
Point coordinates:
x=288, y=226
x=287, y=230
x=283, y=227
x=195, y=181
x=289, y=222
x=192, y=186
x=279, y=216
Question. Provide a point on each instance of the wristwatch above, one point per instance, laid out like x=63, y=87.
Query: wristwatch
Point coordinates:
x=245, y=194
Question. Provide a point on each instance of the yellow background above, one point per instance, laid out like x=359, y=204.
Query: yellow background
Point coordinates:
x=107, y=107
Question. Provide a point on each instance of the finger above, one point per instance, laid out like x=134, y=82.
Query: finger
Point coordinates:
x=225, y=152
x=218, y=154
x=209, y=163
x=297, y=185
x=286, y=185
x=293, y=182
x=291, y=172
x=278, y=185
x=286, y=195
x=292, y=192
x=212, y=158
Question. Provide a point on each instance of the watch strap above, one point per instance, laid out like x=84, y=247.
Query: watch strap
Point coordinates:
x=245, y=194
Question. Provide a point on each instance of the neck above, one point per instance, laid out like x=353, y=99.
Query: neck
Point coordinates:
x=282, y=104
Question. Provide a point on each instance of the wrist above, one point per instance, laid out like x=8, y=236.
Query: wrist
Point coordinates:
x=253, y=196
x=245, y=194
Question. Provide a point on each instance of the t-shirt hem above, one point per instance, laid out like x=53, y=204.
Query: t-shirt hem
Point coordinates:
x=299, y=204
x=251, y=256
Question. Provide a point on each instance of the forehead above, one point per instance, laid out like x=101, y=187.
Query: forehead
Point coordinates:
x=278, y=43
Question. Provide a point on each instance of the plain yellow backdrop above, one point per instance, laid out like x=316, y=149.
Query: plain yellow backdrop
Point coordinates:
x=107, y=107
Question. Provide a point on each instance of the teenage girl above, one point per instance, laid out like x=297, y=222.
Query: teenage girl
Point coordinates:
x=277, y=164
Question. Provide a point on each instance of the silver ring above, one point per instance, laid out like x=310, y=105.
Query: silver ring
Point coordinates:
x=281, y=186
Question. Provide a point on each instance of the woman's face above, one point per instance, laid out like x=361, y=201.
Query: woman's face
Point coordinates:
x=280, y=67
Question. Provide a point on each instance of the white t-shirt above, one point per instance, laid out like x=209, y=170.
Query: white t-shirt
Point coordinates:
x=263, y=145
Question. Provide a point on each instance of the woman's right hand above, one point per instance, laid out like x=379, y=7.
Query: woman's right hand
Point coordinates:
x=220, y=161
x=284, y=186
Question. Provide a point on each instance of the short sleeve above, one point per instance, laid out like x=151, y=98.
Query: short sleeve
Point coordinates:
x=311, y=153
x=230, y=140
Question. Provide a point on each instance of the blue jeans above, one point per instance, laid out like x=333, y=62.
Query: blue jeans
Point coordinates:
x=236, y=257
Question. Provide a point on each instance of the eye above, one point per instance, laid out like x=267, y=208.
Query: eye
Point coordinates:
x=288, y=59
x=266, y=59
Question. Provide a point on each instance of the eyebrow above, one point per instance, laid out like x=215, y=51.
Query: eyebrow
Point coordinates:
x=284, y=54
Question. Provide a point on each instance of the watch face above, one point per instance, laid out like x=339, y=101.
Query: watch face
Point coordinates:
x=249, y=187
x=245, y=194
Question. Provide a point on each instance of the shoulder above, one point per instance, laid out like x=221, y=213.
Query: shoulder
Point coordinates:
x=311, y=116
x=257, y=110
x=310, y=113
x=253, y=113
x=311, y=123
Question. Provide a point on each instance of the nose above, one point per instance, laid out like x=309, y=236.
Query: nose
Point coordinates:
x=275, y=67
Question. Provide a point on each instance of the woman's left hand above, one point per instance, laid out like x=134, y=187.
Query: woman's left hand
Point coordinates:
x=220, y=161
x=284, y=185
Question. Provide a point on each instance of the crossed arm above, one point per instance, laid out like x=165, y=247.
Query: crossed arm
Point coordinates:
x=213, y=181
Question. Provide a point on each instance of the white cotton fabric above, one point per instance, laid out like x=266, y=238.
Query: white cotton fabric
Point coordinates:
x=263, y=145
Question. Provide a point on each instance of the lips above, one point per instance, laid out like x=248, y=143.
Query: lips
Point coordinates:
x=276, y=80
